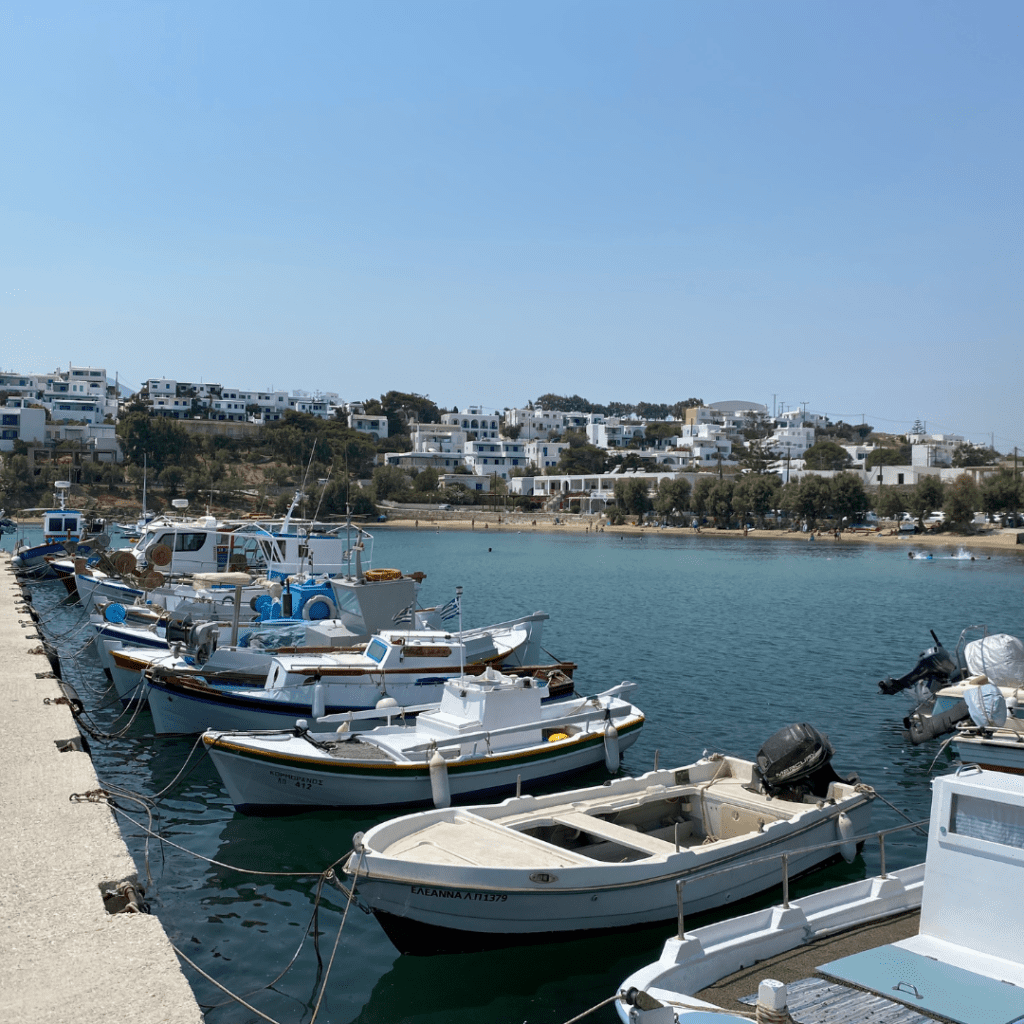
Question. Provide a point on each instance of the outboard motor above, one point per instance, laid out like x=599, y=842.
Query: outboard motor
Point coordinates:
x=934, y=669
x=796, y=762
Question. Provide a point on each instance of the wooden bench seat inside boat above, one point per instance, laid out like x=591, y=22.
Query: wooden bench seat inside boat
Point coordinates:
x=471, y=840
x=617, y=834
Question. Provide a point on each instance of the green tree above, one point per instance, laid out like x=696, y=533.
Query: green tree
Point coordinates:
x=632, y=496
x=659, y=431
x=158, y=441
x=580, y=456
x=426, y=480
x=826, y=455
x=757, y=494
x=720, y=501
x=963, y=499
x=1001, y=492
x=512, y=431
x=700, y=494
x=389, y=480
x=172, y=478
x=757, y=456
x=891, y=502
x=928, y=496
x=888, y=457
x=848, y=500
x=967, y=454
x=789, y=499
x=814, y=498
x=673, y=498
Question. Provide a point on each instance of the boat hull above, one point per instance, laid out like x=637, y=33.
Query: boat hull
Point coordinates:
x=186, y=710
x=430, y=902
x=503, y=917
x=995, y=753
x=259, y=782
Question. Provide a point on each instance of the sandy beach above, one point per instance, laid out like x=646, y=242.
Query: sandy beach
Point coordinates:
x=519, y=522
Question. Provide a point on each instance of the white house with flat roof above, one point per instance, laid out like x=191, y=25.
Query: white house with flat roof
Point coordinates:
x=439, y=437
x=494, y=457
x=19, y=422
x=475, y=421
x=544, y=454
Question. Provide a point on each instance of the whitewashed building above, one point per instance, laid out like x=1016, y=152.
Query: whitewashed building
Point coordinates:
x=19, y=422
x=544, y=454
x=475, y=421
x=494, y=457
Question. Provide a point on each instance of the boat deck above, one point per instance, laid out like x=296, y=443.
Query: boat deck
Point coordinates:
x=809, y=1003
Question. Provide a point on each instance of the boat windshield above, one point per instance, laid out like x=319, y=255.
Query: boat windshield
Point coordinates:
x=350, y=612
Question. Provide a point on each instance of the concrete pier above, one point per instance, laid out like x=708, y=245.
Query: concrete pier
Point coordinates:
x=63, y=957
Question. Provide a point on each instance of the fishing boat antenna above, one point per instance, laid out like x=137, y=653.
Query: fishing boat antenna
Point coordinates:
x=462, y=648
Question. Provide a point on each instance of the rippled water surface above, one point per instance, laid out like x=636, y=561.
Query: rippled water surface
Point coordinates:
x=728, y=640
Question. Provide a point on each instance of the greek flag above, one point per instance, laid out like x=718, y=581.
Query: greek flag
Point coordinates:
x=450, y=610
x=403, y=616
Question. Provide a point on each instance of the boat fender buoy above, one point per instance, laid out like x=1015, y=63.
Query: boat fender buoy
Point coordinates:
x=611, y=748
x=439, y=790
x=846, y=832
x=319, y=607
x=556, y=736
x=319, y=702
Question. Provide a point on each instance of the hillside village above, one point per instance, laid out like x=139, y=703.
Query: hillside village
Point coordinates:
x=730, y=460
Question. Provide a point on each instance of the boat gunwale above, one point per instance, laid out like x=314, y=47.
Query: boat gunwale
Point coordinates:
x=537, y=752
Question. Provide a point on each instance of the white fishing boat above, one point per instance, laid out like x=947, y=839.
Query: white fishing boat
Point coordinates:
x=178, y=545
x=410, y=666
x=490, y=733
x=610, y=856
x=994, y=736
x=319, y=613
x=859, y=952
x=65, y=530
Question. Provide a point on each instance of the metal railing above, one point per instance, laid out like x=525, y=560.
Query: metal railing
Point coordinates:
x=784, y=860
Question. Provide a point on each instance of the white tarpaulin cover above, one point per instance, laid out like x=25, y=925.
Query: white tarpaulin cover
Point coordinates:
x=986, y=705
x=1000, y=657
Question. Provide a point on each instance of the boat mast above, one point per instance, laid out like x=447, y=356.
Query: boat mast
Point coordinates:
x=462, y=647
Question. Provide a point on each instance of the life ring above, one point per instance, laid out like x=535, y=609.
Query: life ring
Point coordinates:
x=317, y=602
x=380, y=575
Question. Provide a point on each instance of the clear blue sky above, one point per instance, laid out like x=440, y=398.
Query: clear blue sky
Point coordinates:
x=486, y=201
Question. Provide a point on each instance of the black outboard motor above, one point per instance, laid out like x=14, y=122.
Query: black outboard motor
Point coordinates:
x=796, y=762
x=934, y=668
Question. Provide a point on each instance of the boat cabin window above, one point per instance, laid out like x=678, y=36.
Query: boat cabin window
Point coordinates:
x=376, y=649
x=60, y=524
x=349, y=611
x=189, y=541
x=978, y=818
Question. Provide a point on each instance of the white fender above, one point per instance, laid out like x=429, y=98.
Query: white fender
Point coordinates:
x=611, y=748
x=319, y=702
x=439, y=789
x=846, y=832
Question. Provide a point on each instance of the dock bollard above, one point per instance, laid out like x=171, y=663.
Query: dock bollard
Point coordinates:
x=772, y=998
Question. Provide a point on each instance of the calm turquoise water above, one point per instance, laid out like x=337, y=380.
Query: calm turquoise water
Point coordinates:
x=728, y=640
